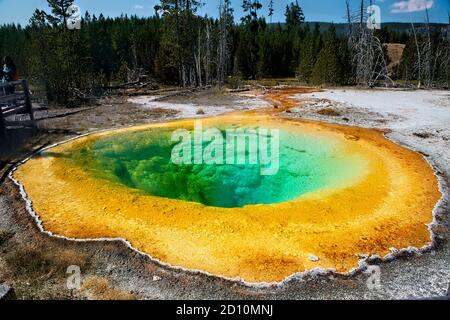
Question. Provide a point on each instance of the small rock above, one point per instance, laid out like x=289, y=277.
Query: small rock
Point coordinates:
x=423, y=135
x=156, y=278
x=200, y=111
x=313, y=258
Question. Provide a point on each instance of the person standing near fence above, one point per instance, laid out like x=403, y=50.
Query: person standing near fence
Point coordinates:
x=9, y=73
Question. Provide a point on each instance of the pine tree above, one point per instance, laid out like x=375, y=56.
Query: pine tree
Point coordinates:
x=225, y=40
x=271, y=10
x=274, y=52
x=179, y=47
x=39, y=19
x=311, y=46
x=327, y=69
x=181, y=25
x=59, y=11
x=250, y=8
x=294, y=19
x=294, y=15
x=248, y=48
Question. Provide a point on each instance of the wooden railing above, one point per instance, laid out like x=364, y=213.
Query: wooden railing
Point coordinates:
x=15, y=99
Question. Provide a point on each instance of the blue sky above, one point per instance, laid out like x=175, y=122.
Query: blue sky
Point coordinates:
x=19, y=11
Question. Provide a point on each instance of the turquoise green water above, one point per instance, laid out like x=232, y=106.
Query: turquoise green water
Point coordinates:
x=142, y=160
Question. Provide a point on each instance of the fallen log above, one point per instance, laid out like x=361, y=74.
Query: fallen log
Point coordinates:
x=122, y=85
x=239, y=90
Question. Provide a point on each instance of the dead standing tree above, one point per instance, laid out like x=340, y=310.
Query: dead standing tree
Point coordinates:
x=417, y=65
x=368, y=55
x=442, y=56
x=438, y=50
x=207, y=60
x=441, y=59
x=429, y=57
x=223, y=50
x=427, y=54
x=204, y=60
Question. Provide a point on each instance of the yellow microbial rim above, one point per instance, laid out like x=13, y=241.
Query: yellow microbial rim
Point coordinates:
x=389, y=206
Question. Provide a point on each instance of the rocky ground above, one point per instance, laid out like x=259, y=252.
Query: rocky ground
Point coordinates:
x=35, y=265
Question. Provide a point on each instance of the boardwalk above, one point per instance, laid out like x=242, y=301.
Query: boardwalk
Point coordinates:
x=15, y=100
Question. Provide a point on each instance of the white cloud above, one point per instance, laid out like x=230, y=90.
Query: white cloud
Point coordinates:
x=138, y=7
x=411, y=6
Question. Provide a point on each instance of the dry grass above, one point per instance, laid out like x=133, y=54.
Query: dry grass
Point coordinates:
x=98, y=288
x=38, y=274
x=32, y=261
x=395, y=52
x=5, y=236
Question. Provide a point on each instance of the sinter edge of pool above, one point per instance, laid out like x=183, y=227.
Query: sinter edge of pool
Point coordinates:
x=326, y=229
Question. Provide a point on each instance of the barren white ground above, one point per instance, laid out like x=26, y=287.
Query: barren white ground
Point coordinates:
x=415, y=109
x=194, y=110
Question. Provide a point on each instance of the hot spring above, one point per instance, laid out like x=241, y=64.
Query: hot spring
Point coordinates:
x=142, y=160
x=258, y=214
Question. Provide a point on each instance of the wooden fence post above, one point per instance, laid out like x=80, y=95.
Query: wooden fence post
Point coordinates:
x=2, y=119
x=28, y=104
x=2, y=124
